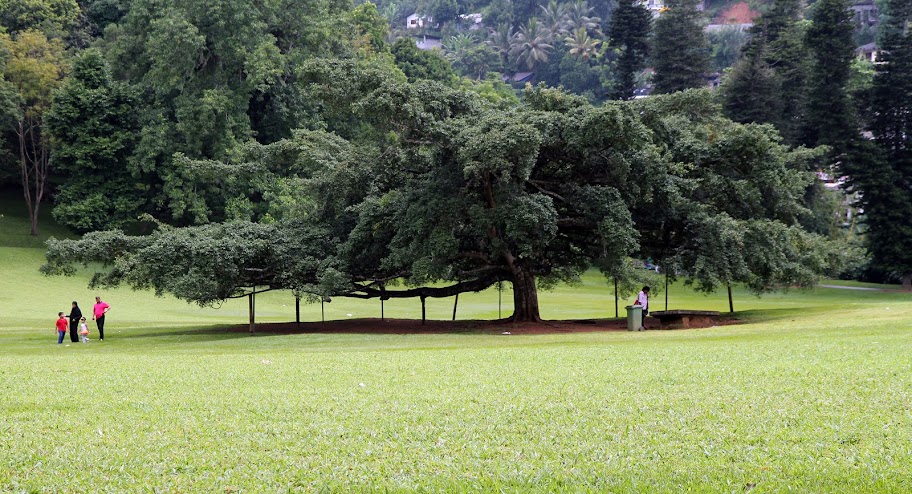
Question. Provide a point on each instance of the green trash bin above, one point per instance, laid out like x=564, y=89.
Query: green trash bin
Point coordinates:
x=634, y=317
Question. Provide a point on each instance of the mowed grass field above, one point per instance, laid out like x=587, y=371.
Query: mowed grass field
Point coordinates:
x=813, y=393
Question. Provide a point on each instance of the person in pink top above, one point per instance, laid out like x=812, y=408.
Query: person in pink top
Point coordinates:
x=643, y=301
x=98, y=315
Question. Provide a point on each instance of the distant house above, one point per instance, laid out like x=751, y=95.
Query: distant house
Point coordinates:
x=867, y=52
x=719, y=27
x=416, y=21
x=866, y=14
x=713, y=80
x=426, y=42
x=658, y=6
x=654, y=6
x=472, y=20
x=520, y=78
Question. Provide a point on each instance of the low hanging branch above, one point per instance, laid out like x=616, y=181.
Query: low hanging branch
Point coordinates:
x=475, y=285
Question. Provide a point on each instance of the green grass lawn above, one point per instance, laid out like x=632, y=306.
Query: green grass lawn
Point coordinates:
x=812, y=394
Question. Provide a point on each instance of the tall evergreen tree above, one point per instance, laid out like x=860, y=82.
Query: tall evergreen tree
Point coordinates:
x=778, y=20
x=681, y=55
x=629, y=30
x=887, y=182
x=93, y=122
x=775, y=50
x=751, y=92
x=830, y=117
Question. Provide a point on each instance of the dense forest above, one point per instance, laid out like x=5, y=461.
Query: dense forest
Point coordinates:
x=324, y=140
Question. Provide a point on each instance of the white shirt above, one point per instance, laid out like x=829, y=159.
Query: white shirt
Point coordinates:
x=643, y=300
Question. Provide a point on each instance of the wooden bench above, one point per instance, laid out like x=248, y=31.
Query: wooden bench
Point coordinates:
x=679, y=319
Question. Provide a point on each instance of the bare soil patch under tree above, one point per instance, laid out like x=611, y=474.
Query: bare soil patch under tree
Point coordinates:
x=415, y=326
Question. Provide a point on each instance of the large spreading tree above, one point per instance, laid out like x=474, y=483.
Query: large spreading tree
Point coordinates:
x=448, y=194
x=370, y=173
x=728, y=209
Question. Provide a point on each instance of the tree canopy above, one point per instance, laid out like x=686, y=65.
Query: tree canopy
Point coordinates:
x=533, y=196
x=325, y=153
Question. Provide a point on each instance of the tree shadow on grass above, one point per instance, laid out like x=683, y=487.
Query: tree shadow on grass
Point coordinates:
x=393, y=327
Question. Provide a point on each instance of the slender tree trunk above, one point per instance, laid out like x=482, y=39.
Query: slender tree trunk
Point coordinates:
x=34, y=218
x=25, y=174
x=525, y=297
x=731, y=304
x=34, y=166
x=907, y=282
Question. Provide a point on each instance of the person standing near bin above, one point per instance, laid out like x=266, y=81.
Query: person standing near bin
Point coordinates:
x=98, y=315
x=643, y=301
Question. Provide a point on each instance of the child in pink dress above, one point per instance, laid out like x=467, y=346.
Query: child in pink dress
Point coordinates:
x=83, y=331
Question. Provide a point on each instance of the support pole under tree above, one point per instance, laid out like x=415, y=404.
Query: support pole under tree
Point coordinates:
x=252, y=307
x=499, y=297
x=298, y=310
x=616, y=297
x=455, y=303
x=666, y=289
x=423, y=298
x=382, y=310
x=322, y=310
x=731, y=305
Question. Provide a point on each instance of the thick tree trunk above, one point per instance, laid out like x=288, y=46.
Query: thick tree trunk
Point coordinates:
x=525, y=297
x=907, y=282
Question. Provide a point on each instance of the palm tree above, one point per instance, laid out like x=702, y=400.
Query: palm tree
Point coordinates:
x=554, y=16
x=458, y=44
x=532, y=44
x=390, y=12
x=455, y=48
x=579, y=15
x=501, y=40
x=582, y=45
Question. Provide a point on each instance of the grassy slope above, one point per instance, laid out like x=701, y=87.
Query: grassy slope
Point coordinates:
x=812, y=396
